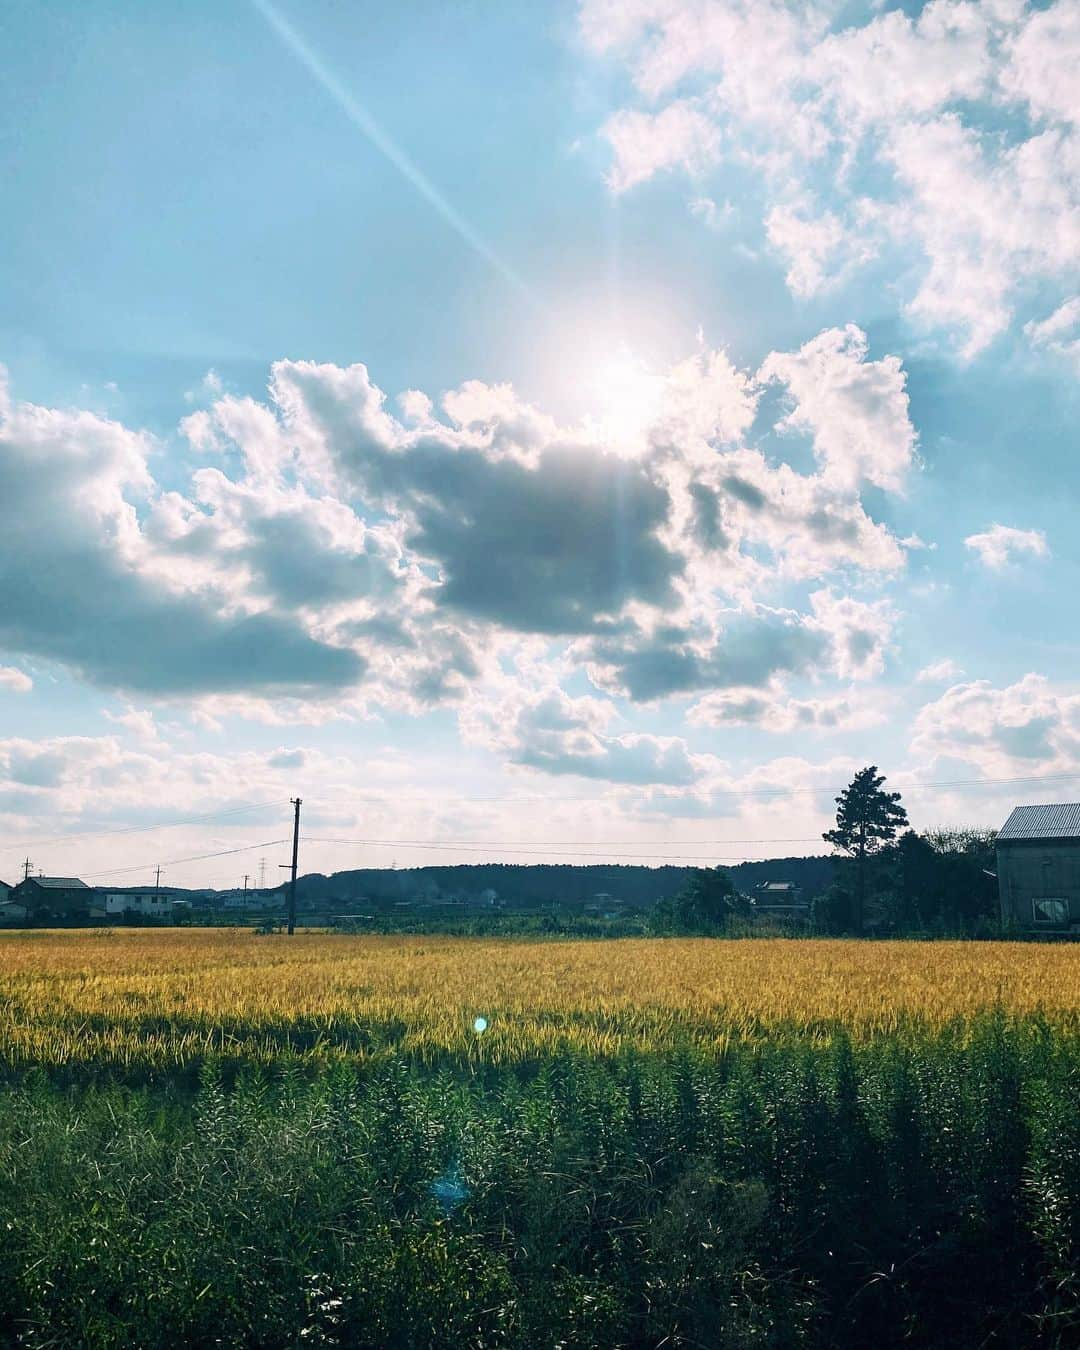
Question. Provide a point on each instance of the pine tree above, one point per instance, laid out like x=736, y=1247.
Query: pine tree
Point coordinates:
x=866, y=820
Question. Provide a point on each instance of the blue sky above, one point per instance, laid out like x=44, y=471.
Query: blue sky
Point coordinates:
x=540, y=428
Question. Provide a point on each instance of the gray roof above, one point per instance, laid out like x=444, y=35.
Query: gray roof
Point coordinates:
x=1057, y=820
x=60, y=883
x=778, y=886
x=149, y=889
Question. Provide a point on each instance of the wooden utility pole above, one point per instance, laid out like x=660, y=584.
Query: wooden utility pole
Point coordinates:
x=26, y=869
x=292, y=880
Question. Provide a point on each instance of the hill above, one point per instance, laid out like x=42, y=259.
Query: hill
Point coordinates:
x=542, y=885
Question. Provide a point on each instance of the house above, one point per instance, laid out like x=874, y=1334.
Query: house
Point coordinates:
x=153, y=901
x=1038, y=868
x=781, y=900
x=11, y=912
x=47, y=898
x=245, y=901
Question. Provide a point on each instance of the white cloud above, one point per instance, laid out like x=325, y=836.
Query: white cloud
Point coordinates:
x=1059, y=332
x=988, y=219
x=895, y=117
x=855, y=410
x=997, y=546
x=78, y=583
x=334, y=561
x=553, y=733
x=1025, y=728
x=940, y=672
x=1042, y=61
x=817, y=245
x=15, y=680
x=773, y=711
x=859, y=632
x=643, y=144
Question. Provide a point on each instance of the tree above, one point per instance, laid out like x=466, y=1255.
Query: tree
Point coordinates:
x=866, y=820
x=946, y=878
x=703, y=905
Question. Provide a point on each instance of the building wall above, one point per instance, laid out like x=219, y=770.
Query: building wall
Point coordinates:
x=53, y=901
x=1032, y=876
x=121, y=902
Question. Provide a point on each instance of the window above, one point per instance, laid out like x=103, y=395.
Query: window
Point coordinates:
x=1050, y=910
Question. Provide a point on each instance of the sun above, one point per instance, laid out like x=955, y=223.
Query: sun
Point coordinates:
x=627, y=399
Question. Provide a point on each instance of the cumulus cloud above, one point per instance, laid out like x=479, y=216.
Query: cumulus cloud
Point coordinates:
x=855, y=410
x=940, y=672
x=139, y=722
x=893, y=118
x=817, y=245
x=69, y=780
x=328, y=558
x=1059, y=332
x=1027, y=727
x=773, y=711
x=75, y=586
x=554, y=733
x=997, y=546
x=15, y=680
x=768, y=798
x=859, y=632
x=646, y=664
x=643, y=144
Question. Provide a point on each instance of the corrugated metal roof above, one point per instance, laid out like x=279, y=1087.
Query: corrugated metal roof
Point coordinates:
x=1057, y=820
x=61, y=883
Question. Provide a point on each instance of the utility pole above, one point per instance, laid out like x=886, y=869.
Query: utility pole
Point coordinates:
x=157, y=881
x=246, y=879
x=26, y=869
x=295, y=850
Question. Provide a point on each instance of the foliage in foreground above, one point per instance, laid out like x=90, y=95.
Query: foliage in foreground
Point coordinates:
x=796, y=1193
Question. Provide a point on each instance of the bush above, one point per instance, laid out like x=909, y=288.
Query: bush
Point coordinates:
x=800, y=1191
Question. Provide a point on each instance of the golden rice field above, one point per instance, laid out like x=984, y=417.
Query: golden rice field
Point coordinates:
x=165, y=998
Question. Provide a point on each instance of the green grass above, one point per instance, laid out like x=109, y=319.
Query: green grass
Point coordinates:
x=791, y=1192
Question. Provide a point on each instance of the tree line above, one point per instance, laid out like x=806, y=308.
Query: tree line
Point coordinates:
x=889, y=878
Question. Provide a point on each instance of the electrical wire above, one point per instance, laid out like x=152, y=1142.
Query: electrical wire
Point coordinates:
x=176, y=862
x=529, y=852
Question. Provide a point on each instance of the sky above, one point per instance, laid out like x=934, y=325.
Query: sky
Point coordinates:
x=531, y=432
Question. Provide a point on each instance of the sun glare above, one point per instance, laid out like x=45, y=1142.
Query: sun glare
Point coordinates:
x=627, y=399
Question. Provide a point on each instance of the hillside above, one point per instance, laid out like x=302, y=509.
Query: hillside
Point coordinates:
x=532, y=885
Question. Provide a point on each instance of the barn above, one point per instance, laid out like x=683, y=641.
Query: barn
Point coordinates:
x=1038, y=867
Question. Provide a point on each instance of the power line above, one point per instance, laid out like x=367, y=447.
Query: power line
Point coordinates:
x=574, y=843
x=594, y=843
x=530, y=852
x=198, y=857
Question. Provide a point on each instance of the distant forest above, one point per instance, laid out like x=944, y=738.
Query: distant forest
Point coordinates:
x=534, y=885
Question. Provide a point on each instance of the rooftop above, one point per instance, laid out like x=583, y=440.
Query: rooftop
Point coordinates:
x=1056, y=820
x=60, y=883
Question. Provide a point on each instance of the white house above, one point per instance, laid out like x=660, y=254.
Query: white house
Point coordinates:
x=244, y=901
x=152, y=902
